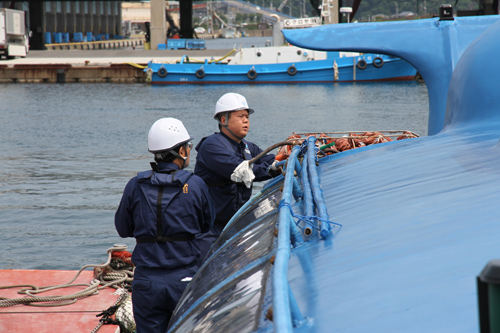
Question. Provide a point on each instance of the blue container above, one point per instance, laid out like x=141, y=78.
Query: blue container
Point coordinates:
x=118, y=37
x=89, y=36
x=48, y=39
x=57, y=37
x=78, y=37
x=196, y=44
x=162, y=46
x=200, y=44
x=65, y=37
x=174, y=44
x=98, y=37
x=106, y=37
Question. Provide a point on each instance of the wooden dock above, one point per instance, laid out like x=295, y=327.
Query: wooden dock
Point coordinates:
x=92, y=66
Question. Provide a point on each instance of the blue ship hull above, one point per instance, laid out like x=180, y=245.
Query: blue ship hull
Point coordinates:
x=401, y=231
x=392, y=69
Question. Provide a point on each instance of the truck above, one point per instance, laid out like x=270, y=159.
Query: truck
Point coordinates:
x=13, y=39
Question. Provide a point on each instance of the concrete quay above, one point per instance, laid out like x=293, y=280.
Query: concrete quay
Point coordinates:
x=110, y=65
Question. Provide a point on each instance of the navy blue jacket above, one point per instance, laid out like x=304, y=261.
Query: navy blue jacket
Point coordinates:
x=186, y=211
x=218, y=156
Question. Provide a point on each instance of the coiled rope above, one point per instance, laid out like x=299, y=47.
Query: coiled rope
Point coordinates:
x=109, y=278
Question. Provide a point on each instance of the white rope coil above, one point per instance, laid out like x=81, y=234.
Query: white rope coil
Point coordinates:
x=111, y=278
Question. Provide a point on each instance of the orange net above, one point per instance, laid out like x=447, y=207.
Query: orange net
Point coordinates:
x=285, y=151
x=350, y=140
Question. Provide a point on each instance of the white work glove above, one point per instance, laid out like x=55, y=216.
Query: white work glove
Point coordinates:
x=243, y=173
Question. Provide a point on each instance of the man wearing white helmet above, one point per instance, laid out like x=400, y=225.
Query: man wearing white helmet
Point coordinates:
x=165, y=209
x=222, y=162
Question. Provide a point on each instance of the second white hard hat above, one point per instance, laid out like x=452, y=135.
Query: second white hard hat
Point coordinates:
x=165, y=134
x=231, y=102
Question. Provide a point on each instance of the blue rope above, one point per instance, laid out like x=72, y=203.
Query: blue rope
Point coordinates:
x=303, y=150
x=306, y=219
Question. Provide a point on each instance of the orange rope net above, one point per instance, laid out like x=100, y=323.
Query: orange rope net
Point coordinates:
x=348, y=140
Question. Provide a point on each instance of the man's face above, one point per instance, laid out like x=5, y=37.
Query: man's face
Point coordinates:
x=239, y=123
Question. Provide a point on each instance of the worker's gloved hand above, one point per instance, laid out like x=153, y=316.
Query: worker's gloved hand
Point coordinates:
x=274, y=170
x=243, y=174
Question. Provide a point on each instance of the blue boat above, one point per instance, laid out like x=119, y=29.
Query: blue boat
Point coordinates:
x=285, y=64
x=395, y=237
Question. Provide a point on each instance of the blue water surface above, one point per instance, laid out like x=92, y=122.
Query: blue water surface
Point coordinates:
x=68, y=150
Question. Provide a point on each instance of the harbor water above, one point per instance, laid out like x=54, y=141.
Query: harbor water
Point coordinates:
x=68, y=150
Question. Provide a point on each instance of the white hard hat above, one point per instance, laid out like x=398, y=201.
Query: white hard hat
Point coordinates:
x=231, y=102
x=165, y=134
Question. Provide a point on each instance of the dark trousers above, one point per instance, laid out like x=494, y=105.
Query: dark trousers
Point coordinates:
x=155, y=293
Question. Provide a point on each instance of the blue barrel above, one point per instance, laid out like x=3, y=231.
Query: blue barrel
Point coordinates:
x=89, y=37
x=78, y=37
x=65, y=37
x=57, y=37
x=48, y=39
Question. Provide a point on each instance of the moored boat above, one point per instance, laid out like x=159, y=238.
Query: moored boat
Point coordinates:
x=285, y=64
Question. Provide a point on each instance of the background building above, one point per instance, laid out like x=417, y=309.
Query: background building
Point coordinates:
x=97, y=17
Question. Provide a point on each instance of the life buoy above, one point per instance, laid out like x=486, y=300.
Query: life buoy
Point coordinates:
x=378, y=62
x=362, y=64
x=162, y=72
x=291, y=70
x=252, y=74
x=200, y=73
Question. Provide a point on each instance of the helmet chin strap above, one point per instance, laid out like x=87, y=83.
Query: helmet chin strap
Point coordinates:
x=226, y=127
x=184, y=159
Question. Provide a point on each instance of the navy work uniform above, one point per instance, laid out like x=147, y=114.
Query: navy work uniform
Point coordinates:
x=218, y=156
x=165, y=210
